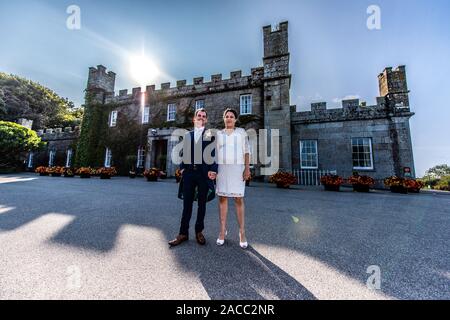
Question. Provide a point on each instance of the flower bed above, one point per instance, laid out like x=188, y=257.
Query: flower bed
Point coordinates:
x=42, y=171
x=106, y=173
x=69, y=173
x=178, y=175
x=361, y=183
x=396, y=184
x=413, y=186
x=55, y=171
x=283, y=179
x=85, y=172
x=152, y=174
x=331, y=182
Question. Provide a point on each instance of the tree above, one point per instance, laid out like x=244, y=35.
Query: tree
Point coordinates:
x=15, y=141
x=22, y=98
x=437, y=172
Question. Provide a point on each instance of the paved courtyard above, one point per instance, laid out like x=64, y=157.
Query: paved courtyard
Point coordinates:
x=63, y=238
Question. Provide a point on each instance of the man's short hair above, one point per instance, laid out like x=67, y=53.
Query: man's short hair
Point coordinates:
x=200, y=110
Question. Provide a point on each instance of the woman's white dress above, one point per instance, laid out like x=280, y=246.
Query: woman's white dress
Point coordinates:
x=230, y=152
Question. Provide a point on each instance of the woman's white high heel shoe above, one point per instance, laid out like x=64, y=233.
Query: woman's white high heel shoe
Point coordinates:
x=244, y=244
x=221, y=242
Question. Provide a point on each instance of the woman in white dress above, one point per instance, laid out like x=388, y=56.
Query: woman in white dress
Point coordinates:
x=233, y=157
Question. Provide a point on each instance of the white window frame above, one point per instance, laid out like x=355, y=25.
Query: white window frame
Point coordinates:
x=108, y=157
x=199, y=104
x=316, y=154
x=113, y=118
x=30, y=159
x=370, y=153
x=51, y=158
x=140, y=163
x=146, y=115
x=245, y=103
x=68, y=157
x=171, y=112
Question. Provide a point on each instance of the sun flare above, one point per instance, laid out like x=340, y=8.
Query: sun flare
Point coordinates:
x=143, y=69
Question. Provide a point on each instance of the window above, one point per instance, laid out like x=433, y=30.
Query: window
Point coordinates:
x=51, y=158
x=140, y=157
x=113, y=119
x=362, y=153
x=68, y=157
x=171, y=112
x=199, y=104
x=30, y=159
x=246, y=104
x=146, y=115
x=308, y=154
x=108, y=156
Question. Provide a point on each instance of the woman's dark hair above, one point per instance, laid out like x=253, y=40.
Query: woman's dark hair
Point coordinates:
x=230, y=110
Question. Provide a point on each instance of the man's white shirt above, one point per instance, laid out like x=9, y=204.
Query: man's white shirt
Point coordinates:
x=198, y=133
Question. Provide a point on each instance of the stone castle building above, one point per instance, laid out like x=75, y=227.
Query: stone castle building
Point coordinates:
x=373, y=140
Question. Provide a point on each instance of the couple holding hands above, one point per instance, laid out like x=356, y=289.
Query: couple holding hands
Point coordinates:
x=230, y=172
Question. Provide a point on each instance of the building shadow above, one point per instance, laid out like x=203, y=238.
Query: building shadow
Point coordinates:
x=345, y=231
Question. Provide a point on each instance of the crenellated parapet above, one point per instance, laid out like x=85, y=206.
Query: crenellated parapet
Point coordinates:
x=67, y=133
x=351, y=109
x=236, y=81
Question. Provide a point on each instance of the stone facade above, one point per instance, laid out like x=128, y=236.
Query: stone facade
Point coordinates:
x=61, y=144
x=386, y=123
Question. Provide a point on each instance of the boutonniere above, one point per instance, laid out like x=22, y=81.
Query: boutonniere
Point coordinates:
x=208, y=134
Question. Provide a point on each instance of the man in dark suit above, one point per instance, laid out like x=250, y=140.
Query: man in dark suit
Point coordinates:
x=197, y=173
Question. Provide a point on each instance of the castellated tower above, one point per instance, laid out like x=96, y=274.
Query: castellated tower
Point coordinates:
x=100, y=83
x=277, y=81
x=393, y=87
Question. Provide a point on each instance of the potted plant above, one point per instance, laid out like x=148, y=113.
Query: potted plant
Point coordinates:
x=282, y=179
x=178, y=175
x=106, y=173
x=84, y=172
x=396, y=184
x=42, y=171
x=413, y=185
x=152, y=174
x=68, y=172
x=361, y=183
x=331, y=182
x=56, y=171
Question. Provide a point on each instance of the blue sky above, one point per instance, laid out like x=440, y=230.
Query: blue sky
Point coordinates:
x=333, y=54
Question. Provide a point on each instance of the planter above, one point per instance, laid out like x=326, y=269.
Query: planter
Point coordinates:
x=247, y=183
x=152, y=178
x=178, y=179
x=105, y=176
x=132, y=176
x=85, y=175
x=399, y=189
x=331, y=187
x=283, y=186
x=361, y=188
x=56, y=174
x=69, y=175
x=413, y=190
x=43, y=174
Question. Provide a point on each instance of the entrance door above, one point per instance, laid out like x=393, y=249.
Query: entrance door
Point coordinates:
x=160, y=154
